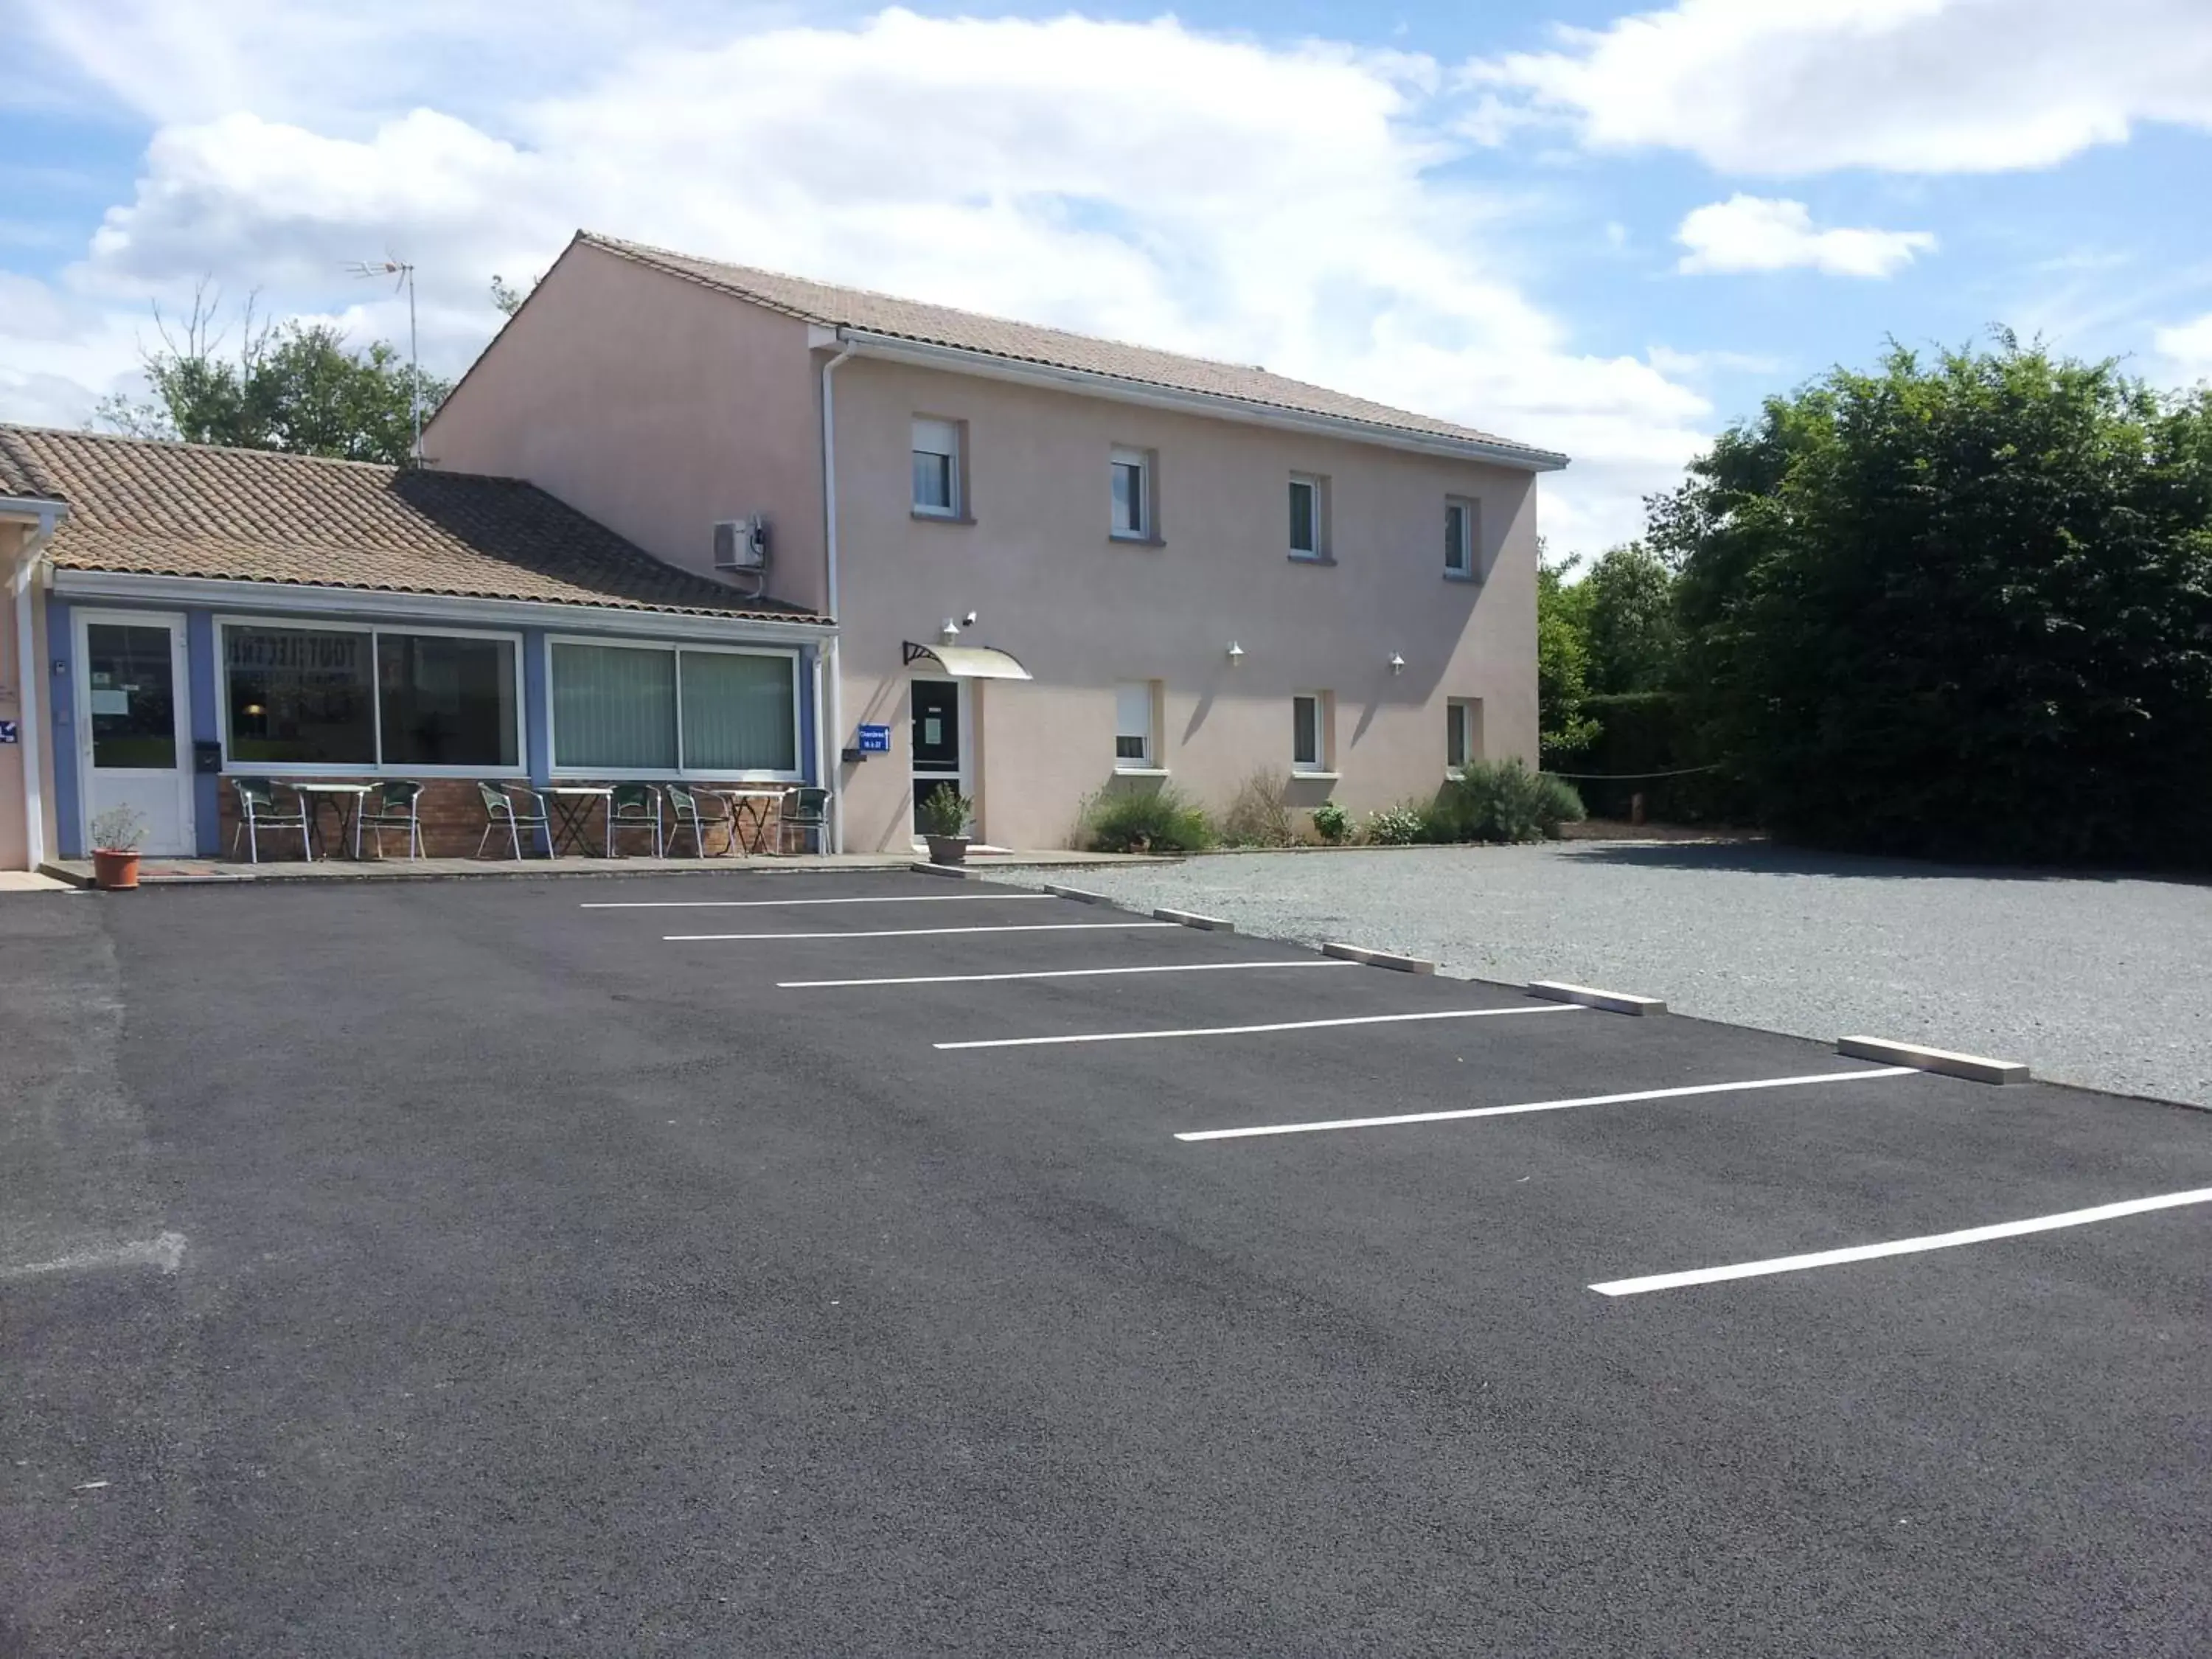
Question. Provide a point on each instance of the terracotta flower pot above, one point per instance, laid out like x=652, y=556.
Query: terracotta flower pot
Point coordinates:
x=947, y=849
x=111, y=871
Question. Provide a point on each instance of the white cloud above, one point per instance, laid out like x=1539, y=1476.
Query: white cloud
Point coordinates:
x=1757, y=233
x=2187, y=349
x=1781, y=87
x=1285, y=205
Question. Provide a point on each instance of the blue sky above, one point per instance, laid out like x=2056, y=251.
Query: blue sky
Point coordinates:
x=1604, y=229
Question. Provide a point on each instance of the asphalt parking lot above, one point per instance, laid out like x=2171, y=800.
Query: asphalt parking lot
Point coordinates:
x=797, y=1264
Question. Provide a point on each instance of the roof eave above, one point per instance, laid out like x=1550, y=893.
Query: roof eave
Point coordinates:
x=961, y=360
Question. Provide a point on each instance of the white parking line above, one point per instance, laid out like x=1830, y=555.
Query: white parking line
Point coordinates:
x=1542, y=1105
x=1056, y=973
x=1793, y=1264
x=920, y=933
x=765, y=904
x=1247, y=1030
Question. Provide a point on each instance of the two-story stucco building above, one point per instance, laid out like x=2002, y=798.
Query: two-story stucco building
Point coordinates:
x=1180, y=568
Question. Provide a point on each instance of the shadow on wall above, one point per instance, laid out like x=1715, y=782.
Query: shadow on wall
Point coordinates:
x=1767, y=858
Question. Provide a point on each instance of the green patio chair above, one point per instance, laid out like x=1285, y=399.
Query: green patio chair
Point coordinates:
x=393, y=807
x=687, y=812
x=634, y=806
x=806, y=811
x=257, y=811
x=502, y=811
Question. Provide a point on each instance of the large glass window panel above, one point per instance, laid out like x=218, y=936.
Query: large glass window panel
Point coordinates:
x=738, y=713
x=614, y=708
x=1303, y=517
x=298, y=697
x=134, y=707
x=447, y=702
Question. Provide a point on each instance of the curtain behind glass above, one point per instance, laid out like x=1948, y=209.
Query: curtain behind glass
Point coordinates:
x=614, y=708
x=738, y=713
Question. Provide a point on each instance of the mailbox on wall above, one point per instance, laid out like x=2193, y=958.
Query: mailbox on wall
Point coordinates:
x=206, y=756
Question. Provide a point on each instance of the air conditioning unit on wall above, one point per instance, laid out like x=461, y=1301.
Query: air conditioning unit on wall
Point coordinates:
x=741, y=544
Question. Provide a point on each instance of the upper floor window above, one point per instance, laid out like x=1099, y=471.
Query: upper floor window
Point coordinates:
x=937, y=468
x=1132, y=474
x=1309, y=517
x=1462, y=532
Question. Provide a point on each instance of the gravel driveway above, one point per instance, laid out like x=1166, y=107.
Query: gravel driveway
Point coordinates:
x=2102, y=981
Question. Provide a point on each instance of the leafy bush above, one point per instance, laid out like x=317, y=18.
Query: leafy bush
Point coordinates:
x=1331, y=823
x=1505, y=801
x=1160, y=820
x=1401, y=825
x=945, y=811
x=1261, y=815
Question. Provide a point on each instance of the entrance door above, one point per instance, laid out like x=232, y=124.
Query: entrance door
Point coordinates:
x=939, y=755
x=133, y=740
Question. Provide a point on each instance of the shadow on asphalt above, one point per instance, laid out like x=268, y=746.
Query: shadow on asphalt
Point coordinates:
x=1765, y=859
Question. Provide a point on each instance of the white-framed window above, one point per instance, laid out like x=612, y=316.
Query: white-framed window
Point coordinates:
x=1309, y=732
x=628, y=710
x=1462, y=536
x=1309, y=508
x=368, y=698
x=936, y=467
x=1130, y=471
x=1462, y=733
x=1136, y=725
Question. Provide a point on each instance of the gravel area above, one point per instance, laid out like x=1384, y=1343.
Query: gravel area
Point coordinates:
x=2105, y=981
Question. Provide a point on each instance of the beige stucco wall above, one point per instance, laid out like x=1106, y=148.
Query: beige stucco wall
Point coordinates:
x=1083, y=611
x=655, y=406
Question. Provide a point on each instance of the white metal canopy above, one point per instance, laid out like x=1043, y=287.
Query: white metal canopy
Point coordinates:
x=968, y=662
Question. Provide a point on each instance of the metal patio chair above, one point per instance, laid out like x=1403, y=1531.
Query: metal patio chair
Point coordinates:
x=687, y=810
x=500, y=811
x=257, y=812
x=634, y=806
x=805, y=809
x=393, y=808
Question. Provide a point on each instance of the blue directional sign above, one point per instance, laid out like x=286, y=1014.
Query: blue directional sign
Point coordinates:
x=8, y=731
x=875, y=740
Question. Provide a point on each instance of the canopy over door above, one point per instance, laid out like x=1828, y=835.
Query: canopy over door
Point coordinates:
x=965, y=662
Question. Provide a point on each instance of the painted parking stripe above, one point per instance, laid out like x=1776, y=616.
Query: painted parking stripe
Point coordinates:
x=1796, y=1264
x=1057, y=973
x=1544, y=1105
x=1248, y=1030
x=923, y=932
x=778, y=904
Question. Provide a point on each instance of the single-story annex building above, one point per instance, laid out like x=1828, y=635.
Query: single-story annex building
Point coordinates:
x=177, y=614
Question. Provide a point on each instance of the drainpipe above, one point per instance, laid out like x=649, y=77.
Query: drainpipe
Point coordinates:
x=833, y=717
x=30, y=738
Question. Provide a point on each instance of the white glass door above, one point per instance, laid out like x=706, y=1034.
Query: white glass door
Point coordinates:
x=134, y=736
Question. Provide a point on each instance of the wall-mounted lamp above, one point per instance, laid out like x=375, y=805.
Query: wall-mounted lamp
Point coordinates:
x=948, y=631
x=1236, y=654
x=1397, y=663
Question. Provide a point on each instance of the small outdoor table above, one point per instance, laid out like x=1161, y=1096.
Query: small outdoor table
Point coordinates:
x=572, y=805
x=766, y=804
x=344, y=799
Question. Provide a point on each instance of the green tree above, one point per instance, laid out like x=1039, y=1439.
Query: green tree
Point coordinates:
x=1562, y=662
x=1961, y=607
x=1629, y=600
x=296, y=387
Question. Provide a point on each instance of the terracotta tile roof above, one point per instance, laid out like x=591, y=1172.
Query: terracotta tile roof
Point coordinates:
x=20, y=473
x=831, y=306
x=171, y=509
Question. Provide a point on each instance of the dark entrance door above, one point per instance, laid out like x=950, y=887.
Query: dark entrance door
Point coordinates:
x=936, y=736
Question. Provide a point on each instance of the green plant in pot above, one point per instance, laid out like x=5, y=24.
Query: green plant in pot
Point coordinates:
x=944, y=815
x=116, y=834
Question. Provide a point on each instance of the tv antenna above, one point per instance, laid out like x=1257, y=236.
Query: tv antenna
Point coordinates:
x=404, y=275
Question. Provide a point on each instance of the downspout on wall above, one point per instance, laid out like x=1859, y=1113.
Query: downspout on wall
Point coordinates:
x=833, y=718
x=31, y=737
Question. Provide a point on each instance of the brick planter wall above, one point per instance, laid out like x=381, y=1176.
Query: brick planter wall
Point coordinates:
x=452, y=814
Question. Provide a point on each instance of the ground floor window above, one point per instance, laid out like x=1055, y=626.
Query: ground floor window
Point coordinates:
x=1136, y=719
x=1310, y=732
x=1462, y=733
x=369, y=697
x=625, y=708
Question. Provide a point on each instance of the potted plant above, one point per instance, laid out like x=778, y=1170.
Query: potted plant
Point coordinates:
x=944, y=815
x=116, y=833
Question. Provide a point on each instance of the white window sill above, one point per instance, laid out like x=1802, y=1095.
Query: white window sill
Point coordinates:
x=1140, y=771
x=924, y=515
x=1467, y=576
x=1297, y=558
x=1128, y=539
x=1304, y=774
